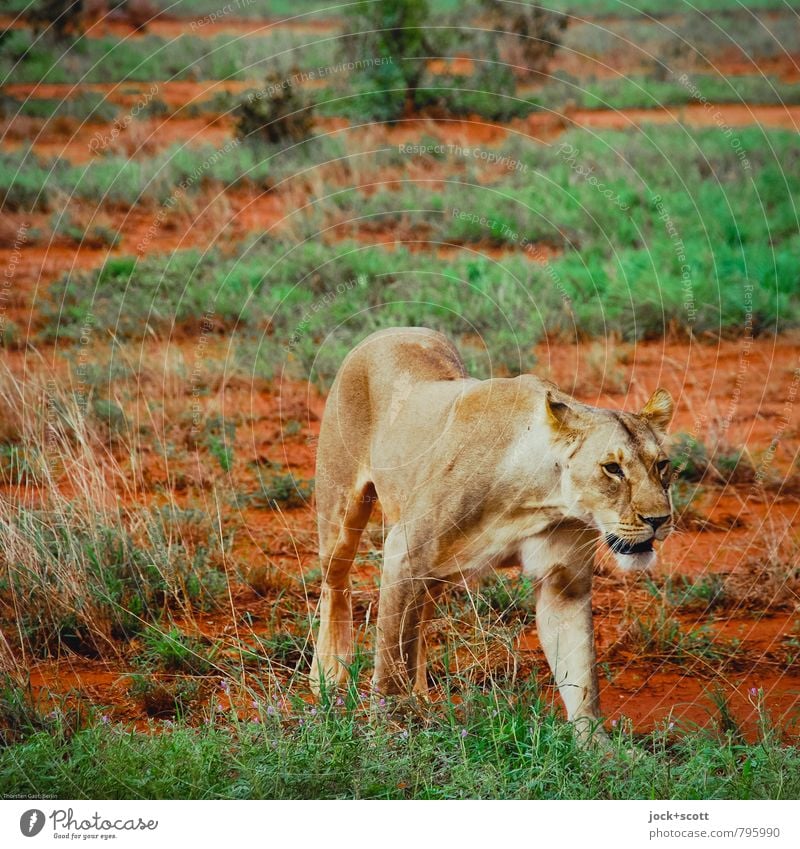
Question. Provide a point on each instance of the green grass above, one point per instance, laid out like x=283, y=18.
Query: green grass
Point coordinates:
x=84, y=106
x=643, y=92
x=83, y=572
x=695, y=40
x=721, y=463
x=290, y=8
x=701, y=649
x=294, y=288
x=278, y=490
x=85, y=582
x=27, y=183
x=702, y=243
x=490, y=745
x=25, y=58
x=658, y=8
x=172, y=651
x=657, y=53
x=705, y=592
x=491, y=95
x=498, y=601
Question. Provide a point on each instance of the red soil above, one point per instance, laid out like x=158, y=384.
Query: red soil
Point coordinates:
x=175, y=93
x=202, y=26
x=86, y=142
x=693, y=115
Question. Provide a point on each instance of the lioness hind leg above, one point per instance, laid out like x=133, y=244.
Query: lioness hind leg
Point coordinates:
x=428, y=607
x=339, y=538
x=405, y=600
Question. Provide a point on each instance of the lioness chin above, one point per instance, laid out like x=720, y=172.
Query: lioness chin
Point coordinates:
x=470, y=473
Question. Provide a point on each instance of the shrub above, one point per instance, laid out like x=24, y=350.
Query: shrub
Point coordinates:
x=530, y=34
x=278, y=112
x=489, y=93
x=689, y=456
x=392, y=31
x=58, y=18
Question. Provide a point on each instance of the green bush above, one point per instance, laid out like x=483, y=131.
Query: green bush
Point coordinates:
x=278, y=112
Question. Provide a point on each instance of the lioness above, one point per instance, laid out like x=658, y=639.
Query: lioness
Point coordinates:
x=470, y=473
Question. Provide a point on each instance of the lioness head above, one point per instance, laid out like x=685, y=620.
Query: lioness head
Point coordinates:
x=617, y=475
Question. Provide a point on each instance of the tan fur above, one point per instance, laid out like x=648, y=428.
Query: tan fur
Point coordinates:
x=468, y=474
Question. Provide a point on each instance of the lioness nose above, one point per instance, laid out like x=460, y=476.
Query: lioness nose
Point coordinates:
x=655, y=522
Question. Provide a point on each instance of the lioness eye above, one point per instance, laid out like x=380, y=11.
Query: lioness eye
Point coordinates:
x=613, y=469
x=662, y=466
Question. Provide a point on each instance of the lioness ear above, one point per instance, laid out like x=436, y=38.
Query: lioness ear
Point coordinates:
x=558, y=413
x=659, y=409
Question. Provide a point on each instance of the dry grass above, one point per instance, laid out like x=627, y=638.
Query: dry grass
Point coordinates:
x=771, y=579
x=85, y=562
x=605, y=368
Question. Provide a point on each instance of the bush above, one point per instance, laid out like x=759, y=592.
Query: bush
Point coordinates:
x=529, y=34
x=489, y=93
x=392, y=31
x=278, y=490
x=58, y=18
x=278, y=112
x=689, y=456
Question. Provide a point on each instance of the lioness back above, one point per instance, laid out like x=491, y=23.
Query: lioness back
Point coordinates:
x=365, y=413
x=404, y=354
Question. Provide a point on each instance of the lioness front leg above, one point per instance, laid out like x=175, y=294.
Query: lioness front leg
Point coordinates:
x=563, y=561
